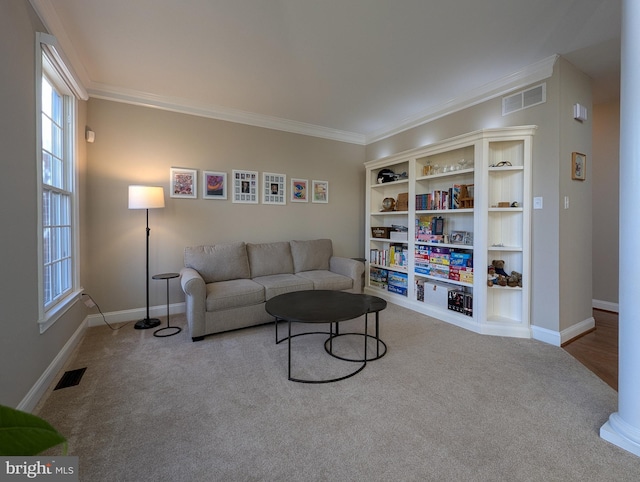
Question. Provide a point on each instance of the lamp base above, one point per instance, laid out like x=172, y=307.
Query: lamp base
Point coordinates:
x=147, y=323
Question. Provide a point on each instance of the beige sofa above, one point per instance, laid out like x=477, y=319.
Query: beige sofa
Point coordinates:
x=226, y=285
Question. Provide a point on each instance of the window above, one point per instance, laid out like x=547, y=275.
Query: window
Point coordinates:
x=58, y=226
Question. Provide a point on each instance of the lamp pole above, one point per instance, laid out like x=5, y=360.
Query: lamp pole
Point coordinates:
x=146, y=197
x=147, y=322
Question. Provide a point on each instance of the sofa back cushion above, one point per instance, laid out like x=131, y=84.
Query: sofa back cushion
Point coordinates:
x=220, y=262
x=270, y=258
x=311, y=255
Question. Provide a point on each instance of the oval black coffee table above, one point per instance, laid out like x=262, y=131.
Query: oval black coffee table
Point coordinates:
x=325, y=306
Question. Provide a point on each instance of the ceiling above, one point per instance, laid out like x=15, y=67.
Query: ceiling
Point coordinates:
x=359, y=69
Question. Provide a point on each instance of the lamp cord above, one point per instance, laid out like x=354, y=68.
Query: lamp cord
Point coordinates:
x=104, y=317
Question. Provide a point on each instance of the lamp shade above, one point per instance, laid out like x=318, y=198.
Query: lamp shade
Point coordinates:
x=146, y=197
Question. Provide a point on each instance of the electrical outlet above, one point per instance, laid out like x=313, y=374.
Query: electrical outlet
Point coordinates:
x=89, y=303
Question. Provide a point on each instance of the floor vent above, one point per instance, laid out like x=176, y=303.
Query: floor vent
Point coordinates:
x=524, y=99
x=71, y=378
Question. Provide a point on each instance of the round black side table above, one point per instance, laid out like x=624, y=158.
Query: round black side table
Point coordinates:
x=167, y=330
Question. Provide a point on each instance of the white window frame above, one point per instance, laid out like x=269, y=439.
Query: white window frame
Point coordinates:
x=60, y=76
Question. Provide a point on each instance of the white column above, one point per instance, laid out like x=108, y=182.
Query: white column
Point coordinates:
x=623, y=426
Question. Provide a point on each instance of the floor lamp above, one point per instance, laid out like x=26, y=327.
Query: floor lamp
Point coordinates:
x=146, y=197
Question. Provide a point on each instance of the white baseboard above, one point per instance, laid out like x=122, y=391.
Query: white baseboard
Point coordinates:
x=577, y=329
x=557, y=338
x=606, y=305
x=135, y=314
x=545, y=335
x=29, y=402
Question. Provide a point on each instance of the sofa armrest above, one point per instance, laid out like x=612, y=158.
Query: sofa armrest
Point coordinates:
x=351, y=268
x=195, y=297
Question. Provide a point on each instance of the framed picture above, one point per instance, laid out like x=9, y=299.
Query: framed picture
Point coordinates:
x=245, y=187
x=319, y=191
x=299, y=190
x=578, y=166
x=214, y=185
x=461, y=237
x=184, y=183
x=274, y=188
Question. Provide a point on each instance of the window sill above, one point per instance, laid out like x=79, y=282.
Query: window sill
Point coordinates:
x=55, y=313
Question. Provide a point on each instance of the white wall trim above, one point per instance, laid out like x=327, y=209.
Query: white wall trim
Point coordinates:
x=545, y=335
x=529, y=75
x=136, y=314
x=526, y=76
x=606, y=306
x=578, y=329
x=558, y=338
x=47, y=13
x=533, y=73
x=184, y=106
x=31, y=399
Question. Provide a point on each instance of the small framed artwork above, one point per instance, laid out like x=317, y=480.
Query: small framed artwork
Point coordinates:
x=320, y=191
x=299, y=190
x=245, y=187
x=214, y=185
x=578, y=166
x=461, y=237
x=274, y=188
x=184, y=183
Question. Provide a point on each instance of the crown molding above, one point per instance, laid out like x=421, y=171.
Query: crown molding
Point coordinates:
x=184, y=106
x=526, y=76
x=47, y=14
x=531, y=74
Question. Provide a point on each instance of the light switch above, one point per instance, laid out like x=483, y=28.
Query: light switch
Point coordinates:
x=566, y=202
x=537, y=203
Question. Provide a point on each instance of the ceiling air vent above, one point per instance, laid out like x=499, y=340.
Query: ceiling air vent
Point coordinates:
x=524, y=99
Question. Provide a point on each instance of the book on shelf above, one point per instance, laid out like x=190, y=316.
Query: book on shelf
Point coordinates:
x=397, y=283
x=460, y=301
x=420, y=289
x=395, y=256
x=442, y=199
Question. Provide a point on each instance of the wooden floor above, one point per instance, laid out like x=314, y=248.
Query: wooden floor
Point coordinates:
x=598, y=350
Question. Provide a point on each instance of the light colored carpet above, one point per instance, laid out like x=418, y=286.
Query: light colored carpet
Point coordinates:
x=443, y=404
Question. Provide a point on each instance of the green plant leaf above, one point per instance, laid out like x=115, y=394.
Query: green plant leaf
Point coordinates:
x=22, y=433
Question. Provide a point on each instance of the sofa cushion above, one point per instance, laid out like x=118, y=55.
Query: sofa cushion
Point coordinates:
x=224, y=295
x=270, y=258
x=220, y=262
x=326, y=280
x=311, y=255
x=277, y=284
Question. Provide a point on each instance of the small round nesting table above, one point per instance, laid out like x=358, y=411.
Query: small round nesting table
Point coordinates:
x=167, y=330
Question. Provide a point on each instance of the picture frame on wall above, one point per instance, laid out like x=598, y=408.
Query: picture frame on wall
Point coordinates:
x=578, y=166
x=320, y=191
x=299, y=190
x=214, y=185
x=274, y=188
x=245, y=186
x=183, y=183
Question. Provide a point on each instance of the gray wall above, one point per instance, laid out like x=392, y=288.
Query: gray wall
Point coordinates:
x=553, y=243
x=138, y=145
x=25, y=354
x=575, y=265
x=605, y=172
